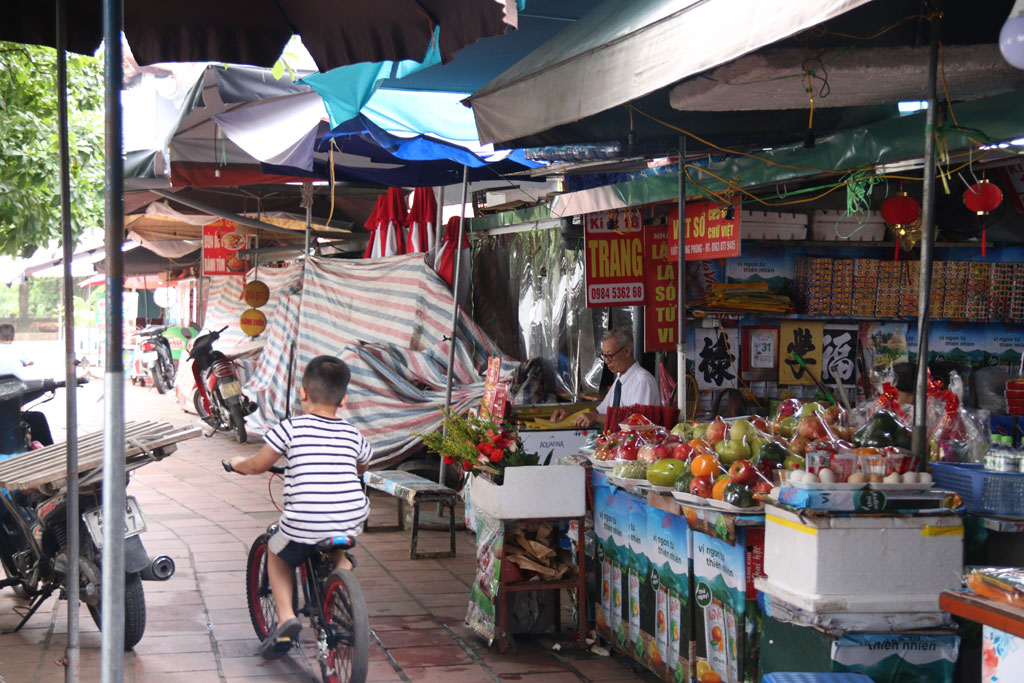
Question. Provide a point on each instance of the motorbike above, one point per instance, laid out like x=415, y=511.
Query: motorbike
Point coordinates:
x=34, y=534
x=156, y=356
x=218, y=397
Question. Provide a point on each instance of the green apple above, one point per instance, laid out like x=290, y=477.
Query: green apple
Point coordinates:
x=809, y=409
x=786, y=427
x=741, y=428
x=730, y=451
x=793, y=462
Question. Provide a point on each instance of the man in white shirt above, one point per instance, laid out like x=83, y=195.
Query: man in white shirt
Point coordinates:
x=633, y=384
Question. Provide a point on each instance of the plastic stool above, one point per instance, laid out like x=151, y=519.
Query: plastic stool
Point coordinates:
x=815, y=678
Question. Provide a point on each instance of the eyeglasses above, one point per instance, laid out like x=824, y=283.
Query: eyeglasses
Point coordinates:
x=608, y=356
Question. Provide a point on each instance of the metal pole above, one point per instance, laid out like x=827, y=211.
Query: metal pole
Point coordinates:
x=71, y=652
x=455, y=303
x=307, y=199
x=112, y=582
x=439, y=225
x=920, y=435
x=681, y=287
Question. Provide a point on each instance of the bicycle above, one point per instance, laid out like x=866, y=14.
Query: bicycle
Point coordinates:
x=332, y=600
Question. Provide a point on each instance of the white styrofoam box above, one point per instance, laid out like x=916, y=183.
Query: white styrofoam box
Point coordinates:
x=533, y=492
x=559, y=442
x=850, y=605
x=803, y=613
x=770, y=225
x=836, y=226
x=860, y=557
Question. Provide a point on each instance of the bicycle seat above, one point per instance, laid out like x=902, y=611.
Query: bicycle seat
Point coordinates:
x=336, y=542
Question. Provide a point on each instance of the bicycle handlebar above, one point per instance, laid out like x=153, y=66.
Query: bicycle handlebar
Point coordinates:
x=273, y=470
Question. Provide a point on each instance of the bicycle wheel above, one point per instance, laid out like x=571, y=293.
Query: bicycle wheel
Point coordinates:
x=262, y=608
x=348, y=632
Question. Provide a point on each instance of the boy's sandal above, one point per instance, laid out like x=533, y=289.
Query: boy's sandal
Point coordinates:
x=352, y=559
x=280, y=639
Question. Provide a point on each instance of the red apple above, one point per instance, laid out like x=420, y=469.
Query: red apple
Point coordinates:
x=683, y=451
x=743, y=472
x=716, y=431
x=627, y=451
x=790, y=406
x=761, y=424
x=701, y=486
x=646, y=453
x=812, y=428
x=658, y=435
x=762, y=487
x=662, y=452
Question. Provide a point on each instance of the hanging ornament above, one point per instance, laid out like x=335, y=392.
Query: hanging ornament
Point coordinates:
x=900, y=209
x=983, y=197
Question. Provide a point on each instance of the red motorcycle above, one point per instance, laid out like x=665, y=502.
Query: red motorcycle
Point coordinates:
x=218, y=396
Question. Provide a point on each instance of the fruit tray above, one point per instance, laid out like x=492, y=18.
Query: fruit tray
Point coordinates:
x=983, y=492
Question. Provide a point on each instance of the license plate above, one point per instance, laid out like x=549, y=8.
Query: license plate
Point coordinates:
x=148, y=356
x=229, y=389
x=134, y=523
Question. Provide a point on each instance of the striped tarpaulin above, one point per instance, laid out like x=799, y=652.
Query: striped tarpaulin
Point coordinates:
x=225, y=306
x=389, y=319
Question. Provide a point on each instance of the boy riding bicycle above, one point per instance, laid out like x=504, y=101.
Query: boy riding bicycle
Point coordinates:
x=325, y=458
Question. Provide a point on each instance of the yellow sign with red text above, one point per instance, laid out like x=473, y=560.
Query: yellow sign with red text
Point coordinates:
x=614, y=252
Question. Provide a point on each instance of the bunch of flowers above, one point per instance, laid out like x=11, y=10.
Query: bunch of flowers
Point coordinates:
x=477, y=444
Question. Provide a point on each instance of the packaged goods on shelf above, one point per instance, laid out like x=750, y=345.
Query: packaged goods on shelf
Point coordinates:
x=938, y=290
x=999, y=289
x=842, y=287
x=910, y=277
x=979, y=274
x=865, y=286
x=814, y=285
x=954, y=306
x=887, y=297
x=1015, y=302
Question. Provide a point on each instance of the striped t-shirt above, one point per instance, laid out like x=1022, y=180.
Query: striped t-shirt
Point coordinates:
x=322, y=492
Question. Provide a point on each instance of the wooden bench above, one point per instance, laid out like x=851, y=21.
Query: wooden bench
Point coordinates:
x=408, y=488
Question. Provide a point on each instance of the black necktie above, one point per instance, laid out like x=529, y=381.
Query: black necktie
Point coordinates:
x=616, y=394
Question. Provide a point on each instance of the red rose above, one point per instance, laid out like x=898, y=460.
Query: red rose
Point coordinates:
x=467, y=465
x=448, y=460
x=497, y=455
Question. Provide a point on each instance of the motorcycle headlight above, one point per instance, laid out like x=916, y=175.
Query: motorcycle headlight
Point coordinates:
x=11, y=386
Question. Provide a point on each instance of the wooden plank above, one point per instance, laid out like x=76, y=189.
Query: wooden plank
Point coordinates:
x=58, y=452
x=149, y=435
x=998, y=615
x=28, y=465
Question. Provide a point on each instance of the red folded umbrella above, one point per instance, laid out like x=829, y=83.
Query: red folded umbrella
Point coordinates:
x=421, y=221
x=444, y=262
x=385, y=225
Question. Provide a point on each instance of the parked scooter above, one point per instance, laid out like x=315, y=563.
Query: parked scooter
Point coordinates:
x=156, y=356
x=34, y=534
x=218, y=394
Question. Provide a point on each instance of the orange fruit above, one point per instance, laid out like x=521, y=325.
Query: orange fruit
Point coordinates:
x=703, y=465
x=711, y=677
x=718, y=491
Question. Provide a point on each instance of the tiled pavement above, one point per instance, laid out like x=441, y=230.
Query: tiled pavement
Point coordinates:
x=198, y=626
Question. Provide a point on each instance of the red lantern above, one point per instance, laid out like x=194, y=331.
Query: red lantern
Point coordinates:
x=983, y=197
x=900, y=209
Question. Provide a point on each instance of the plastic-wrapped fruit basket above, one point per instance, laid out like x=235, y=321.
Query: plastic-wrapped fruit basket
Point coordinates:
x=983, y=491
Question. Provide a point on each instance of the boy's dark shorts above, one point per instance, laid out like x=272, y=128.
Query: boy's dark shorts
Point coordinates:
x=291, y=552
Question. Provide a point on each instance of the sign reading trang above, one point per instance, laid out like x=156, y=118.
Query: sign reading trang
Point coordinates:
x=712, y=231
x=615, y=258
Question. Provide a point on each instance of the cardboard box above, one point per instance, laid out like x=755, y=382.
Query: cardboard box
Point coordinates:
x=918, y=656
x=533, y=492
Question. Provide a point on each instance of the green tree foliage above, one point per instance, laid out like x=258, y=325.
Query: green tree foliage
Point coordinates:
x=29, y=159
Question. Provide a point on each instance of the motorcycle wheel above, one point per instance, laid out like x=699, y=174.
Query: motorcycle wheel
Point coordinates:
x=134, y=611
x=197, y=403
x=158, y=379
x=238, y=421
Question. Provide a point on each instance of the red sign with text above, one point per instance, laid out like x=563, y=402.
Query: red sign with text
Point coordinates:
x=712, y=231
x=662, y=305
x=221, y=242
x=614, y=247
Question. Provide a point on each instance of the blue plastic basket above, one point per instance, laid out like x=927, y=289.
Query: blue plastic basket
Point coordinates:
x=816, y=678
x=983, y=492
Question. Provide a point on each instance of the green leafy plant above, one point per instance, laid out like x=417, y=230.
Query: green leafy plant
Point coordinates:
x=477, y=444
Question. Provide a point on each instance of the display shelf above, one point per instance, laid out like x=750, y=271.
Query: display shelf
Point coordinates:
x=856, y=243
x=970, y=605
x=702, y=314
